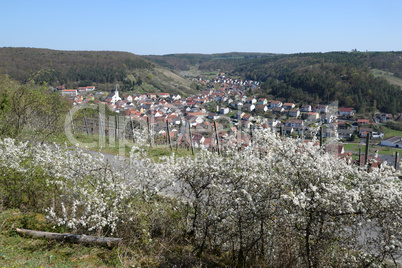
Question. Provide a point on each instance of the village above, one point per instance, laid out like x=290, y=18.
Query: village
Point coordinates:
x=227, y=106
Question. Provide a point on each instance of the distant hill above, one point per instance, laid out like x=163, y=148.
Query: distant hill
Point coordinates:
x=206, y=62
x=325, y=77
x=81, y=68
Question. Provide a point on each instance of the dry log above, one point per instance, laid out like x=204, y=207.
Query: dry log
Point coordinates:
x=71, y=238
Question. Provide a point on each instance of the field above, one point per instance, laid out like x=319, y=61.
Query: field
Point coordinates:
x=391, y=132
x=354, y=147
x=388, y=76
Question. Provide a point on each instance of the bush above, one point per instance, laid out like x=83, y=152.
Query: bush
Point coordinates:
x=394, y=125
x=274, y=203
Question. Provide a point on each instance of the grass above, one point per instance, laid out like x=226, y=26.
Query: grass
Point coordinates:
x=391, y=132
x=372, y=149
x=388, y=76
x=18, y=251
x=113, y=148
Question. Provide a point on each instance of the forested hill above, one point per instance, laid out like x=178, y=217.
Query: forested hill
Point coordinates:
x=325, y=77
x=83, y=68
x=98, y=66
x=207, y=62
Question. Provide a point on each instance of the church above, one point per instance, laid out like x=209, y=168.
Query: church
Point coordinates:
x=114, y=96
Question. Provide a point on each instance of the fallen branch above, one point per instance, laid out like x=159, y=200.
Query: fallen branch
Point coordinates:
x=71, y=238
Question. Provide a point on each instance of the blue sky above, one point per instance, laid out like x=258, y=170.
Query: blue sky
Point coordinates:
x=164, y=27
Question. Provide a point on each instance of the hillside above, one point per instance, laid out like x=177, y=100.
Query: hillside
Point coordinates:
x=83, y=68
x=206, y=62
x=352, y=78
x=326, y=77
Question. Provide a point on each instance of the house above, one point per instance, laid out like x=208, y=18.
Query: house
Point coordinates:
x=337, y=150
x=377, y=135
x=313, y=116
x=345, y=133
x=364, y=130
x=151, y=96
x=176, y=97
x=362, y=122
x=247, y=117
x=305, y=108
x=294, y=123
x=385, y=117
x=236, y=104
x=262, y=101
x=251, y=100
x=249, y=107
x=129, y=98
x=69, y=92
x=275, y=104
x=287, y=130
x=294, y=113
x=90, y=88
x=164, y=95
x=213, y=116
x=327, y=118
x=346, y=111
x=261, y=108
x=224, y=110
x=321, y=109
x=278, y=110
x=394, y=141
x=288, y=106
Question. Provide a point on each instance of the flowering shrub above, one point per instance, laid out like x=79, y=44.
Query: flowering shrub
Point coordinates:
x=276, y=202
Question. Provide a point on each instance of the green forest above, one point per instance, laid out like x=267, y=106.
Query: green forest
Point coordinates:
x=63, y=67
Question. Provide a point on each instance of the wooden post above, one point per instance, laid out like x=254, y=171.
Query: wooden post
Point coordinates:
x=251, y=134
x=149, y=132
x=116, y=123
x=86, y=125
x=132, y=128
x=360, y=152
x=217, y=139
x=72, y=122
x=100, y=124
x=191, y=139
x=396, y=161
x=321, y=139
x=281, y=131
x=168, y=133
x=367, y=148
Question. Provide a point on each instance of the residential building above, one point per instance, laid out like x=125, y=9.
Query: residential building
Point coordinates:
x=288, y=105
x=294, y=123
x=275, y=104
x=346, y=111
x=69, y=92
x=305, y=108
x=294, y=113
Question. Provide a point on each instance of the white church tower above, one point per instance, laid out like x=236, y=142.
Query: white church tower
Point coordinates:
x=115, y=97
